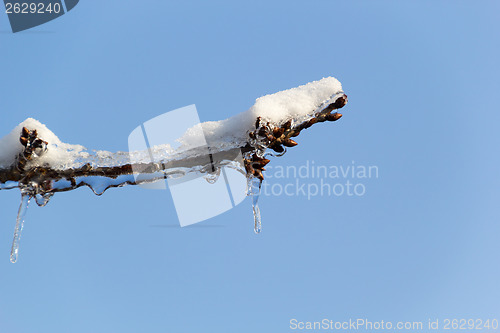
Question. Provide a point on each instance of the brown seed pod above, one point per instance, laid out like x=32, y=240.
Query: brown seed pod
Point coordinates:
x=21, y=164
x=277, y=148
x=260, y=164
x=287, y=125
x=277, y=132
x=295, y=133
x=340, y=102
x=330, y=108
x=258, y=174
x=248, y=166
x=24, y=132
x=257, y=122
x=24, y=141
x=264, y=161
x=289, y=143
x=256, y=158
x=333, y=117
x=310, y=122
x=87, y=167
x=262, y=131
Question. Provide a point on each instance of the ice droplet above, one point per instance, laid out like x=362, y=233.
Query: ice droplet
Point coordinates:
x=42, y=199
x=212, y=177
x=254, y=186
x=23, y=208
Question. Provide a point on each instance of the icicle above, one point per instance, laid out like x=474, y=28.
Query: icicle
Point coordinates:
x=23, y=208
x=254, y=186
x=256, y=215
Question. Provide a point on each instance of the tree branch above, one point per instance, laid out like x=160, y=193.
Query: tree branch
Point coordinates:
x=264, y=136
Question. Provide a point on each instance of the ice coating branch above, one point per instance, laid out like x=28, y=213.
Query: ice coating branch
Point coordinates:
x=33, y=159
x=32, y=154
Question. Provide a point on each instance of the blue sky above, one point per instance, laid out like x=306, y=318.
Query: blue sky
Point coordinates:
x=422, y=80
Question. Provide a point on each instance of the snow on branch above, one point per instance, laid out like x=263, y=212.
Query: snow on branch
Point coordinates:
x=31, y=153
x=33, y=159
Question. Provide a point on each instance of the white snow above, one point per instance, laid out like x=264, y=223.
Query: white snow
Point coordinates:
x=297, y=104
x=58, y=153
